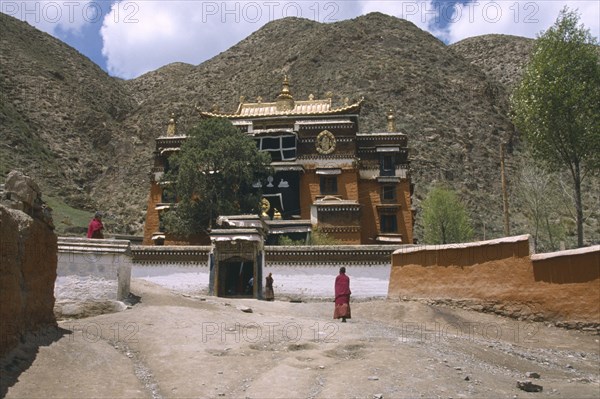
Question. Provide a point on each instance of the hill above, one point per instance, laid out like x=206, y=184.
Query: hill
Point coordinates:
x=88, y=137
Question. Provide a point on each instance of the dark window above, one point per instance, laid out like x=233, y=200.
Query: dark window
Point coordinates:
x=281, y=148
x=389, y=224
x=388, y=193
x=388, y=165
x=328, y=185
x=168, y=195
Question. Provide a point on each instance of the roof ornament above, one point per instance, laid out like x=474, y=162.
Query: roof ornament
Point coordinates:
x=391, y=121
x=259, y=99
x=242, y=99
x=172, y=126
x=346, y=101
x=285, y=101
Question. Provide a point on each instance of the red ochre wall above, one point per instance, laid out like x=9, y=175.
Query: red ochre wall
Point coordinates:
x=152, y=222
x=27, y=274
x=562, y=286
x=370, y=197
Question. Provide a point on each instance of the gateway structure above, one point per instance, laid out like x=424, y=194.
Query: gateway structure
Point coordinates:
x=353, y=186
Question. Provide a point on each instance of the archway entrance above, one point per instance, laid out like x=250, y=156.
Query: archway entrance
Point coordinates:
x=235, y=278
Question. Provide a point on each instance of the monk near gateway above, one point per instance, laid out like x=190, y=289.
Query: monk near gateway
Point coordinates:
x=342, y=296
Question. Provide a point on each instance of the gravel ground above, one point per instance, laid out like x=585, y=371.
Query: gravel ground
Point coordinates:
x=184, y=345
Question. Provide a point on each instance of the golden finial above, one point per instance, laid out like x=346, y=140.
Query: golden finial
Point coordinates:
x=346, y=101
x=286, y=85
x=259, y=99
x=285, y=101
x=242, y=99
x=172, y=126
x=276, y=214
x=329, y=95
x=391, y=121
x=311, y=97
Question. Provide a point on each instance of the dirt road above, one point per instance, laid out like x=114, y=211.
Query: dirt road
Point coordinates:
x=175, y=346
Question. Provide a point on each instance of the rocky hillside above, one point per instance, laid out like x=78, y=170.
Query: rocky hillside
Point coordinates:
x=61, y=116
x=89, y=137
x=501, y=57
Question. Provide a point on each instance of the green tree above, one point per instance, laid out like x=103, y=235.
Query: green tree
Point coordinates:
x=316, y=237
x=213, y=175
x=445, y=219
x=556, y=104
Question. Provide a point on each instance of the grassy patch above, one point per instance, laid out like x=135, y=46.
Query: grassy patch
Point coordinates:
x=68, y=220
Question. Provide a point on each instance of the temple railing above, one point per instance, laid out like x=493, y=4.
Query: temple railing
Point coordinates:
x=358, y=255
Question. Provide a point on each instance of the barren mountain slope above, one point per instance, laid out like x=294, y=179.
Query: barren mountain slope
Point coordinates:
x=60, y=114
x=501, y=57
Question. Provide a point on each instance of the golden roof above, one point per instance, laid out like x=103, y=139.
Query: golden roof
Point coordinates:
x=285, y=105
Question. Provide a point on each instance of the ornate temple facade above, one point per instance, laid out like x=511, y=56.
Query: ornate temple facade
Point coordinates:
x=355, y=187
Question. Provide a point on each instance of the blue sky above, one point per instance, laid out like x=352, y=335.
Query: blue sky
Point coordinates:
x=127, y=38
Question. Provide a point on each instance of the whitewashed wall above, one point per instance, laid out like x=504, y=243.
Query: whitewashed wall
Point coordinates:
x=92, y=270
x=317, y=281
x=189, y=278
x=291, y=281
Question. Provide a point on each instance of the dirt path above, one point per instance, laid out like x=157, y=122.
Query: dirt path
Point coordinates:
x=175, y=346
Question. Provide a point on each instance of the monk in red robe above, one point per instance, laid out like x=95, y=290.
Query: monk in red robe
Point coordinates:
x=342, y=296
x=95, y=227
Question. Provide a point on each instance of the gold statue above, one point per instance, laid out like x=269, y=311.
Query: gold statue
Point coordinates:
x=391, y=121
x=172, y=126
x=265, y=205
x=276, y=214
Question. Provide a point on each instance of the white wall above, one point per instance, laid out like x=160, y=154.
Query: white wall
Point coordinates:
x=93, y=269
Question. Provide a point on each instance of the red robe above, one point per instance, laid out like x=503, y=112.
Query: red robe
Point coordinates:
x=342, y=297
x=95, y=229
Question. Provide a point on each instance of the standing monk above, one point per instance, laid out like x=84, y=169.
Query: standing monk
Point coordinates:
x=342, y=296
x=95, y=228
x=269, y=293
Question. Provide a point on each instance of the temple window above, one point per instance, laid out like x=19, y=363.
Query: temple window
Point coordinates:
x=388, y=165
x=168, y=195
x=281, y=148
x=388, y=193
x=328, y=185
x=388, y=223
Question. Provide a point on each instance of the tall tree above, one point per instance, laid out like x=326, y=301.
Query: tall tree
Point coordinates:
x=538, y=197
x=556, y=104
x=213, y=175
x=445, y=218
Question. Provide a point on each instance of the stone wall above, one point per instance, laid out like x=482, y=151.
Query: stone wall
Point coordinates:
x=27, y=274
x=500, y=276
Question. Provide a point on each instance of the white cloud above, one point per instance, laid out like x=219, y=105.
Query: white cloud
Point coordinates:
x=140, y=36
x=519, y=18
x=54, y=16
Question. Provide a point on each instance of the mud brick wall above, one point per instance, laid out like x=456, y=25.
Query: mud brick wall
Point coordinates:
x=560, y=286
x=28, y=258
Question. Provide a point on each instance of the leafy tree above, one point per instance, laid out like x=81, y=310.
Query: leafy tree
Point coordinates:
x=316, y=237
x=445, y=219
x=213, y=175
x=556, y=104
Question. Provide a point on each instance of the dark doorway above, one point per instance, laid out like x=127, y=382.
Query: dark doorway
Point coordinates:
x=234, y=278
